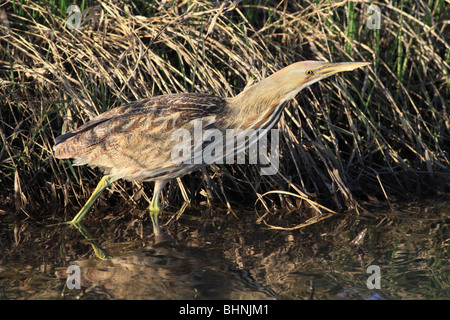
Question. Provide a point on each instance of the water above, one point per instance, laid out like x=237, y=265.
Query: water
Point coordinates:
x=218, y=256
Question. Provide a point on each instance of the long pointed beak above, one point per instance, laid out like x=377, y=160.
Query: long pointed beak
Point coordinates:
x=335, y=67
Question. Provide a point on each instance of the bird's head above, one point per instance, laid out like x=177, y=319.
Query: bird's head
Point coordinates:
x=257, y=101
x=292, y=79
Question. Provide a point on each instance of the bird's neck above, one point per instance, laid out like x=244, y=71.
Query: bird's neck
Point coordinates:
x=257, y=105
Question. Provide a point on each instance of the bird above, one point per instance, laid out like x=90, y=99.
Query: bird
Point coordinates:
x=135, y=141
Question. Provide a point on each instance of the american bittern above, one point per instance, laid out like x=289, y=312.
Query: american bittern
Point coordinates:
x=134, y=141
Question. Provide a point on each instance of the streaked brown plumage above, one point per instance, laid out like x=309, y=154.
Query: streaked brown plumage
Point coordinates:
x=134, y=141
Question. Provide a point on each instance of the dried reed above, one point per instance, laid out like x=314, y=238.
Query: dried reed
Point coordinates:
x=378, y=133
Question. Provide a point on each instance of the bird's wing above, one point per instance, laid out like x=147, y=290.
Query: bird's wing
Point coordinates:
x=137, y=134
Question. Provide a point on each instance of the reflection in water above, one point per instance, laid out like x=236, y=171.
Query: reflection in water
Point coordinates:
x=168, y=271
x=221, y=257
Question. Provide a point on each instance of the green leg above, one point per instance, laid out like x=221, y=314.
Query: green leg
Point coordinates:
x=155, y=206
x=155, y=210
x=104, y=183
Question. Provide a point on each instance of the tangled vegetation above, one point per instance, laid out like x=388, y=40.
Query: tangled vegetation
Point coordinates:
x=381, y=132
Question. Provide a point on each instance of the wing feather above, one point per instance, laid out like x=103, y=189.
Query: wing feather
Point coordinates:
x=134, y=140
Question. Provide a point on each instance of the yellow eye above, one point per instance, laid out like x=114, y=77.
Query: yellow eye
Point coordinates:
x=309, y=72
